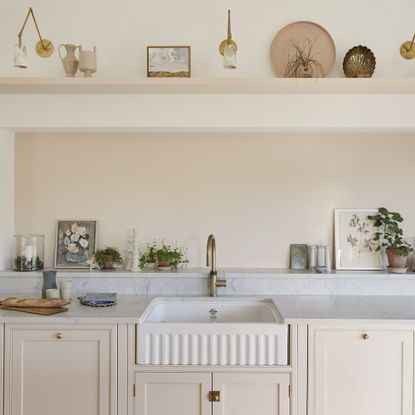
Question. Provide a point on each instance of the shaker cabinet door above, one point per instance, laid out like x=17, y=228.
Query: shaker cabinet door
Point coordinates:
x=360, y=371
x=1, y=366
x=250, y=393
x=172, y=393
x=63, y=370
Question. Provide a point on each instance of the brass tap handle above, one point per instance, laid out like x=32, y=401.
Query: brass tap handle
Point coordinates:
x=220, y=283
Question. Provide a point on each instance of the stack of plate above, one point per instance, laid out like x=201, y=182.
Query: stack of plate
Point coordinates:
x=99, y=299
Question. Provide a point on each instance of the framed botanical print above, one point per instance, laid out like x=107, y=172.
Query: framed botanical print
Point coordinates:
x=75, y=243
x=354, y=244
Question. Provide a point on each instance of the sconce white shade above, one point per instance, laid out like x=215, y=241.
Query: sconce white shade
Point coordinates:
x=20, y=56
x=229, y=56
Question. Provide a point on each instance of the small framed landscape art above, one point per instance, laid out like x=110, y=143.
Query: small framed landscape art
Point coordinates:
x=168, y=61
x=75, y=243
x=354, y=244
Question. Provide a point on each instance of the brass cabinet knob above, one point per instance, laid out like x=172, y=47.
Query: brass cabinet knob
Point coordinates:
x=59, y=336
x=365, y=336
x=214, y=396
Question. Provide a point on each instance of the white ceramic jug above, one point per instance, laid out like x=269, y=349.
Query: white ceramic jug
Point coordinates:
x=70, y=61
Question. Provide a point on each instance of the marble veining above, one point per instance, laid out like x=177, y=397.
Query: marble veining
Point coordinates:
x=239, y=282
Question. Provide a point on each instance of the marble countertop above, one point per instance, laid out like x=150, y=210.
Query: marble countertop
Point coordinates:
x=294, y=309
x=127, y=310
x=314, y=309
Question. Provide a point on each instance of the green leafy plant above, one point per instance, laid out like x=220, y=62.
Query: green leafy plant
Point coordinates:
x=390, y=234
x=174, y=256
x=165, y=255
x=108, y=255
x=303, y=61
x=150, y=256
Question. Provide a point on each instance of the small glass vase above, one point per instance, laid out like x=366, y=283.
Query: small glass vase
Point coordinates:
x=29, y=252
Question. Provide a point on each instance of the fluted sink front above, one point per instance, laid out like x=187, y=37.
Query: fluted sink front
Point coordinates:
x=211, y=331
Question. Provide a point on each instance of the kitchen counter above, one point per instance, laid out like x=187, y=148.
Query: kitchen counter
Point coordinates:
x=294, y=309
x=127, y=310
x=307, y=309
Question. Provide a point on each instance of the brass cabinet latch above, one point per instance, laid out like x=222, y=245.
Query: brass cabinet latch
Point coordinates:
x=214, y=396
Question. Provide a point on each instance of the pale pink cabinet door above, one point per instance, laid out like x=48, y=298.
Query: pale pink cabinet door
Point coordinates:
x=172, y=393
x=360, y=372
x=1, y=367
x=63, y=370
x=250, y=394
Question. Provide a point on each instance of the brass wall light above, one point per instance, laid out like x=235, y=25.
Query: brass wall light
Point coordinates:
x=44, y=47
x=228, y=48
x=407, y=49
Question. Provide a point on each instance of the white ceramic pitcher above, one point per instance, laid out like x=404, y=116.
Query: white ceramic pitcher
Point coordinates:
x=70, y=62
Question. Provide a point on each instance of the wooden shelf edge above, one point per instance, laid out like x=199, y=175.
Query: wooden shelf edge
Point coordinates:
x=206, y=86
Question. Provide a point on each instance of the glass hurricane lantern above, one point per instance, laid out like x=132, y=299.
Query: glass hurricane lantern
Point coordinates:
x=29, y=252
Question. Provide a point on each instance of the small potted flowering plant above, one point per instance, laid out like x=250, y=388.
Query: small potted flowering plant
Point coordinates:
x=106, y=258
x=169, y=257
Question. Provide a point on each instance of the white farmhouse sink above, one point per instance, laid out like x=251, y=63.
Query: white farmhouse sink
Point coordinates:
x=211, y=331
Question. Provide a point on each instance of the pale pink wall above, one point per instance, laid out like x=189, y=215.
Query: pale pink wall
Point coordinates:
x=256, y=193
x=121, y=30
x=7, y=197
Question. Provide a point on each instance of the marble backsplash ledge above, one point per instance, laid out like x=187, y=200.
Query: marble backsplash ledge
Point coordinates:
x=244, y=282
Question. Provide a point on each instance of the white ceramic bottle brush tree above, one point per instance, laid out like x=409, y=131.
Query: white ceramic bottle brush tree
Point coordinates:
x=134, y=252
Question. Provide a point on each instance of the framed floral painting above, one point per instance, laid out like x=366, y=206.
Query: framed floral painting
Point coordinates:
x=354, y=244
x=75, y=243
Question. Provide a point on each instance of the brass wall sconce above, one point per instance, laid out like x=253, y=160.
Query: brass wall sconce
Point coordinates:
x=228, y=48
x=407, y=49
x=44, y=47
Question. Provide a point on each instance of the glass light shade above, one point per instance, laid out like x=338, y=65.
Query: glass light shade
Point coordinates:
x=28, y=252
x=20, y=56
x=229, y=56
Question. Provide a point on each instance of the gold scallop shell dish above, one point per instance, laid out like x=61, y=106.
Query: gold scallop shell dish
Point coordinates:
x=359, y=62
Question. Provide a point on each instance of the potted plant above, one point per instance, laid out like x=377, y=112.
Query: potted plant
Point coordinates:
x=106, y=258
x=169, y=257
x=149, y=259
x=302, y=64
x=390, y=237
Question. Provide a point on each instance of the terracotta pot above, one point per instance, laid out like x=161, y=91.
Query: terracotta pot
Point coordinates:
x=395, y=260
x=108, y=264
x=164, y=265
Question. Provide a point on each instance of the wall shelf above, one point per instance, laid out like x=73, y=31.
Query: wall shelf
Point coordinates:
x=206, y=86
x=211, y=105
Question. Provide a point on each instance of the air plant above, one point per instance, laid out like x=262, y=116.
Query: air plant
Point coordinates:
x=303, y=64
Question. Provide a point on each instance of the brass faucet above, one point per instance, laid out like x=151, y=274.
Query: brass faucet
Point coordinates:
x=211, y=262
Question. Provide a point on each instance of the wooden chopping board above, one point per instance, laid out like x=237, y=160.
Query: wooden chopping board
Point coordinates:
x=42, y=311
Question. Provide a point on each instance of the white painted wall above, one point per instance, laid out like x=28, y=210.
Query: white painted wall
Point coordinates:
x=7, y=197
x=256, y=193
x=122, y=29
